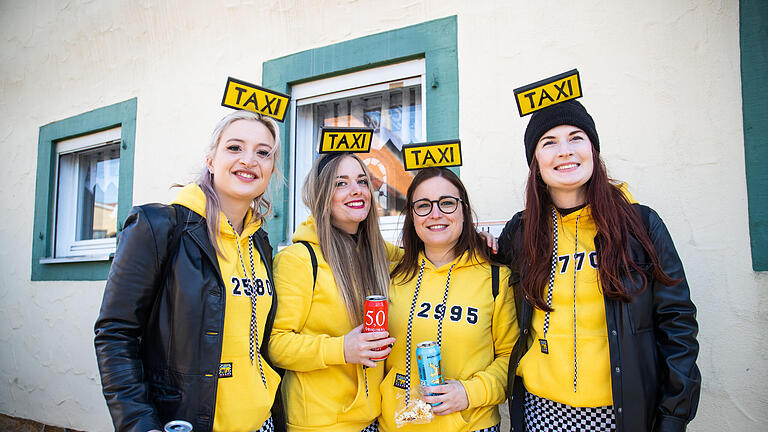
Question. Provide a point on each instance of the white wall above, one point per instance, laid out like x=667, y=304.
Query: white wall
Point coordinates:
x=661, y=78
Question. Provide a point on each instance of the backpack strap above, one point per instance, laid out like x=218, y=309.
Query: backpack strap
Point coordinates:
x=495, y=280
x=312, y=257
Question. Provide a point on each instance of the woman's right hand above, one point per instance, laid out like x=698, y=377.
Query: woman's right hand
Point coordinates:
x=358, y=346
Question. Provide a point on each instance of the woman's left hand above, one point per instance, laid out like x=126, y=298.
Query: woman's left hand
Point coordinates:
x=490, y=240
x=451, y=396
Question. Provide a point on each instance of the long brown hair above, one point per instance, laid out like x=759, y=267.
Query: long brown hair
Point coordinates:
x=469, y=240
x=616, y=219
x=359, y=268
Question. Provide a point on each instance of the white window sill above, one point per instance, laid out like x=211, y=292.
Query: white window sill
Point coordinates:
x=74, y=259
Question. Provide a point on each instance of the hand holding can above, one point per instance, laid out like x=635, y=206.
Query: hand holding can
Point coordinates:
x=430, y=365
x=376, y=319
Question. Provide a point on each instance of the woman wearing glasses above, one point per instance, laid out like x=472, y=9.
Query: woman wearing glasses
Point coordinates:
x=443, y=290
x=322, y=285
x=609, y=329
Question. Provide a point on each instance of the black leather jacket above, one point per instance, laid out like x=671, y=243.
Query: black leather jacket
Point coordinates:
x=158, y=335
x=652, y=340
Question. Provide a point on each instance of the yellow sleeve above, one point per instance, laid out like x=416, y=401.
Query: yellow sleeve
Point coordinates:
x=394, y=253
x=289, y=347
x=489, y=386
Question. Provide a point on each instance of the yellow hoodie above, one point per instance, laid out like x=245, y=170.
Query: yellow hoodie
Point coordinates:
x=243, y=403
x=551, y=375
x=321, y=391
x=478, y=334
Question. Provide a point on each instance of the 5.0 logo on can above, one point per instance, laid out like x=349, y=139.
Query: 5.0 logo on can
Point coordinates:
x=375, y=317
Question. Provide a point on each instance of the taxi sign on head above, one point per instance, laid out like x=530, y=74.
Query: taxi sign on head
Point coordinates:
x=349, y=140
x=250, y=97
x=548, y=92
x=432, y=154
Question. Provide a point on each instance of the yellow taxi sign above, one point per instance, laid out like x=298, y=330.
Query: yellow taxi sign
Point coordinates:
x=432, y=154
x=355, y=140
x=246, y=96
x=548, y=92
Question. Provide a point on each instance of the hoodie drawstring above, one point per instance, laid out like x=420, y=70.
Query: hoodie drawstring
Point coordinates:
x=254, y=332
x=441, y=306
x=543, y=342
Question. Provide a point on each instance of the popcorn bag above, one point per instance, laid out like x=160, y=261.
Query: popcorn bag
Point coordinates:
x=415, y=411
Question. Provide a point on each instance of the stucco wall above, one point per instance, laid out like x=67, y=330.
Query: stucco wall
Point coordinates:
x=660, y=77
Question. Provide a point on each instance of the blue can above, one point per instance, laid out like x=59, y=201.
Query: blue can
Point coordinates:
x=178, y=426
x=430, y=366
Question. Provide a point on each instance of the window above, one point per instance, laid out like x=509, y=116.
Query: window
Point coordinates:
x=84, y=192
x=86, y=195
x=403, y=82
x=387, y=99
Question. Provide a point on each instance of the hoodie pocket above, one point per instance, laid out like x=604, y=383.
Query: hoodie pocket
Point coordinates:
x=165, y=398
x=366, y=405
x=392, y=395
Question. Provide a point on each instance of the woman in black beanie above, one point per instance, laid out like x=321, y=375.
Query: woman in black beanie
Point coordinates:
x=607, y=324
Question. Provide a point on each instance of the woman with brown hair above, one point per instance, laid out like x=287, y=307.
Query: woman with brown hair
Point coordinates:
x=608, y=327
x=446, y=290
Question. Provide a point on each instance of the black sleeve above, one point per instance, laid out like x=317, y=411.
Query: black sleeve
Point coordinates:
x=128, y=299
x=676, y=329
x=506, y=239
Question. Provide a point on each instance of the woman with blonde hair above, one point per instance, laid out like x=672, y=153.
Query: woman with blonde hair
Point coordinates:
x=188, y=306
x=331, y=383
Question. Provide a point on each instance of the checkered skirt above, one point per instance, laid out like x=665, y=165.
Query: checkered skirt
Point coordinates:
x=490, y=429
x=544, y=415
x=267, y=426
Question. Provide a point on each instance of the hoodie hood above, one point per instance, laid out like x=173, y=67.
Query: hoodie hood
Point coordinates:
x=193, y=198
x=624, y=188
x=463, y=260
x=307, y=231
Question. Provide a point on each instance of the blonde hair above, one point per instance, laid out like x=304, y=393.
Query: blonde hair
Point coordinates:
x=262, y=204
x=360, y=269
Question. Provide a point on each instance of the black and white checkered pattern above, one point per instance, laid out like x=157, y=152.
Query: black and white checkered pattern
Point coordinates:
x=551, y=274
x=490, y=429
x=575, y=359
x=254, y=333
x=267, y=426
x=410, y=324
x=373, y=427
x=442, y=308
x=408, y=334
x=544, y=415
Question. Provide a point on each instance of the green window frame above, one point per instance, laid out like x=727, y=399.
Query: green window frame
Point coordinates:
x=121, y=114
x=753, y=31
x=435, y=41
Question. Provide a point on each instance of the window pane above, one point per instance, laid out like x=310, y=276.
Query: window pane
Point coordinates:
x=395, y=116
x=97, y=180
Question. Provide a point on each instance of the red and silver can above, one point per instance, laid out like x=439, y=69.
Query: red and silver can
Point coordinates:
x=376, y=317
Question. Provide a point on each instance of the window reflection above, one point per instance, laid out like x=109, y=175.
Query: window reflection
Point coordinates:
x=395, y=117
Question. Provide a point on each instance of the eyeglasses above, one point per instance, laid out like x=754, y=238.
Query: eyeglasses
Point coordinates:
x=446, y=204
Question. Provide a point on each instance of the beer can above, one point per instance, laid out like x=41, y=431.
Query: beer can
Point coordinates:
x=430, y=367
x=376, y=317
x=178, y=426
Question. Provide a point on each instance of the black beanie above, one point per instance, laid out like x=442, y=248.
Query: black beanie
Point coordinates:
x=570, y=112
